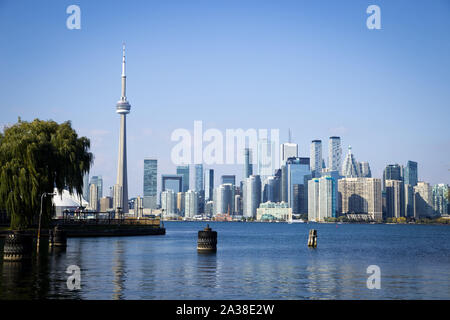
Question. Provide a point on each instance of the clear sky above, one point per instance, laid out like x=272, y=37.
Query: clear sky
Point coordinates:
x=312, y=66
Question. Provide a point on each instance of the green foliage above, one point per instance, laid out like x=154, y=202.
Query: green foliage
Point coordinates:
x=35, y=157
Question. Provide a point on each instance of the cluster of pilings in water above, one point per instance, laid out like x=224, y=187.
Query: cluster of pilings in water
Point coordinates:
x=19, y=244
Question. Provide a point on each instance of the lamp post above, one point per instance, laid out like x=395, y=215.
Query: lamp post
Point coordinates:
x=40, y=217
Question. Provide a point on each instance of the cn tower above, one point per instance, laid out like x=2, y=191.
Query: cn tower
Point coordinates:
x=123, y=108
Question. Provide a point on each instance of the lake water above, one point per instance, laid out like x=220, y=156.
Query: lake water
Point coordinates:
x=253, y=261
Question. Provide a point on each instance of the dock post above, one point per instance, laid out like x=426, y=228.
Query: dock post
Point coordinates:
x=312, y=239
x=207, y=240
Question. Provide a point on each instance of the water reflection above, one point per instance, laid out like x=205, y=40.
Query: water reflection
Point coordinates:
x=207, y=269
x=119, y=271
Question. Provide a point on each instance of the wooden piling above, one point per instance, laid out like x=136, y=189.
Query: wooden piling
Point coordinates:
x=312, y=239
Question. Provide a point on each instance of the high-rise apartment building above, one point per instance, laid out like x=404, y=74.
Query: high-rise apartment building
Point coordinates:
x=199, y=186
x=423, y=200
x=209, y=184
x=410, y=175
x=150, y=183
x=298, y=173
x=322, y=200
x=251, y=196
x=184, y=172
x=191, y=204
x=93, y=193
x=168, y=202
x=224, y=199
x=248, y=163
x=288, y=150
x=392, y=172
x=440, y=199
x=316, y=158
x=334, y=154
x=360, y=195
x=395, y=194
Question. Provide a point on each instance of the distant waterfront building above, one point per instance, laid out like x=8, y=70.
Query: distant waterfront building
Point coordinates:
x=118, y=197
x=350, y=167
x=231, y=179
x=248, y=163
x=334, y=154
x=86, y=187
x=139, y=207
x=173, y=182
x=364, y=169
x=191, y=204
x=298, y=173
x=392, y=172
x=271, y=189
x=181, y=203
x=251, y=196
x=209, y=184
x=93, y=201
x=288, y=150
x=266, y=159
x=168, y=202
x=284, y=183
x=409, y=200
x=106, y=204
x=360, y=195
x=150, y=183
x=224, y=199
x=184, y=172
x=423, y=200
x=98, y=181
x=238, y=205
x=199, y=186
x=440, y=199
x=316, y=158
x=269, y=211
x=394, y=199
x=322, y=200
x=410, y=173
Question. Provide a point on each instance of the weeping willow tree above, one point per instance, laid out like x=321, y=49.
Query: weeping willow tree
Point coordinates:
x=36, y=157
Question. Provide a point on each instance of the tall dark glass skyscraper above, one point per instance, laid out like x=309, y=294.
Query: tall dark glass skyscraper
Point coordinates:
x=209, y=184
x=184, y=171
x=228, y=179
x=392, y=172
x=410, y=173
x=199, y=178
x=248, y=163
x=150, y=183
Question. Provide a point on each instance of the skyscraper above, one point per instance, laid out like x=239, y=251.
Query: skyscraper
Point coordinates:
x=266, y=158
x=191, y=203
x=394, y=198
x=440, y=199
x=184, y=172
x=321, y=198
x=298, y=173
x=251, y=196
x=172, y=182
x=423, y=199
x=316, y=158
x=150, y=183
x=209, y=184
x=288, y=150
x=168, y=202
x=350, y=167
x=199, y=186
x=123, y=108
x=360, y=195
x=364, y=169
x=410, y=173
x=224, y=199
x=228, y=178
x=98, y=181
x=392, y=172
x=86, y=187
x=334, y=154
x=93, y=201
x=248, y=163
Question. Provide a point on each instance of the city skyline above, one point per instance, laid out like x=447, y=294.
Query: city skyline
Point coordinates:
x=175, y=76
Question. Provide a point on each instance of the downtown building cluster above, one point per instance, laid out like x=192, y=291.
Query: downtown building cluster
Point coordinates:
x=300, y=186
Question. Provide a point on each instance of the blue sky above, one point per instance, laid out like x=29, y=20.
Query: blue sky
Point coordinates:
x=312, y=66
